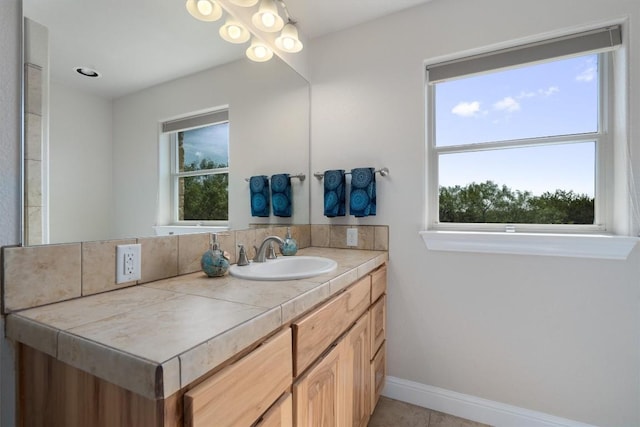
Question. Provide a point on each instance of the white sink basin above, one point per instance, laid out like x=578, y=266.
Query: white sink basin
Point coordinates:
x=284, y=268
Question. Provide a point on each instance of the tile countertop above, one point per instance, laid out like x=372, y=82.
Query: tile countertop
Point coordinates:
x=156, y=338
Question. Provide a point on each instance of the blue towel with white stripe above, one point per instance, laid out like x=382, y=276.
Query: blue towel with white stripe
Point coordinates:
x=259, y=190
x=334, y=194
x=362, y=199
x=281, y=194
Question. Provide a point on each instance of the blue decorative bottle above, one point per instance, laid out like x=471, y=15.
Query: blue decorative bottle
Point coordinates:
x=213, y=262
x=290, y=246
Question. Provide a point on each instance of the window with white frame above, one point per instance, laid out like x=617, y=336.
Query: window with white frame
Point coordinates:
x=519, y=139
x=200, y=168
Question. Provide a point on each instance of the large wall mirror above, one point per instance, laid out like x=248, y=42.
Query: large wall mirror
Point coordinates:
x=96, y=160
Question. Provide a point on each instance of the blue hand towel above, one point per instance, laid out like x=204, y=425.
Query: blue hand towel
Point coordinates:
x=259, y=189
x=334, y=184
x=281, y=194
x=363, y=192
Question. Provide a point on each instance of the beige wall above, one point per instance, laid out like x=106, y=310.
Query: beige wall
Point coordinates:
x=556, y=335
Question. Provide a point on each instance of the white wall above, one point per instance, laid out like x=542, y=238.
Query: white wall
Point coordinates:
x=555, y=335
x=80, y=166
x=269, y=122
x=10, y=155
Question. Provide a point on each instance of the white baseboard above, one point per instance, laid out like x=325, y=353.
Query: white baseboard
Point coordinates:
x=471, y=407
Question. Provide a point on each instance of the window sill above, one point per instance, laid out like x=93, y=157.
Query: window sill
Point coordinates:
x=566, y=245
x=169, y=230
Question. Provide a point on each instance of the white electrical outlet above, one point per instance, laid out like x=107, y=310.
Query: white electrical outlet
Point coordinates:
x=128, y=263
x=352, y=237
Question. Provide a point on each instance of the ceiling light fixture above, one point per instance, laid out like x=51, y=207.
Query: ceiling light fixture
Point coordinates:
x=259, y=51
x=289, y=40
x=267, y=18
x=234, y=32
x=204, y=10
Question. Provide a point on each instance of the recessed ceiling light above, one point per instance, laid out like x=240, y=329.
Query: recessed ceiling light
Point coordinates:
x=87, y=72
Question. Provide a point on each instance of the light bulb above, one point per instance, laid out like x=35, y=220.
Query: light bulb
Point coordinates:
x=204, y=10
x=234, y=32
x=288, y=40
x=267, y=17
x=288, y=43
x=268, y=20
x=260, y=52
x=204, y=7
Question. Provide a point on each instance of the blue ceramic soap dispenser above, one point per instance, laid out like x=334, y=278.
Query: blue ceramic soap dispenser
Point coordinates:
x=214, y=262
x=290, y=246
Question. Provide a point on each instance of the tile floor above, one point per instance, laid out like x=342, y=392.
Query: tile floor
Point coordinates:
x=393, y=413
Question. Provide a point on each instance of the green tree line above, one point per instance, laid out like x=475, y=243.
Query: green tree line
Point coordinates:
x=206, y=197
x=489, y=202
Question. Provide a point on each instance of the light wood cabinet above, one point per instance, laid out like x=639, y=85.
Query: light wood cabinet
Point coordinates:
x=326, y=370
x=240, y=393
x=378, y=320
x=315, y=332
x=318, y=395
x=280, y=414
x=347, y=364
x=357, y=374
x=378, y=373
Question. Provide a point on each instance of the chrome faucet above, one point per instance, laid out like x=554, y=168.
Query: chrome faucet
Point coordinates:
x=261, y=252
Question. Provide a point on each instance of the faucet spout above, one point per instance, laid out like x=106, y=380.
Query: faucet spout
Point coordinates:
x=262, y=250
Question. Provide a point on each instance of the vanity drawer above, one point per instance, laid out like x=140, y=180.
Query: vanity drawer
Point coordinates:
x=314, y=333
x=378, y=374
x=280, y=414
x=240, y=393
x=378, y=283
x=378, y=324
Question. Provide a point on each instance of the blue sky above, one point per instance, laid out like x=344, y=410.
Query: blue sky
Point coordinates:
x=548, y=99
x=209, y=142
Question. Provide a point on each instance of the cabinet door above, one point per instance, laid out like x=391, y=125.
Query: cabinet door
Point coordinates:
x=357, y=374
x=280, y=414
x=319, y=395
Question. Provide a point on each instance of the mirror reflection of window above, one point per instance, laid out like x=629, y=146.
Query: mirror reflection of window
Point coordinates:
x=200, y=168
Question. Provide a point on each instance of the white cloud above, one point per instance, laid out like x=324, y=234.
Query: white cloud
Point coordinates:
x=549, y=91
x=466, y=109
x=525, y=94
x=507, y=104
x=587, y=75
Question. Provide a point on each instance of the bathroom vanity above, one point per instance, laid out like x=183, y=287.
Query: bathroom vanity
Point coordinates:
x=195, y=351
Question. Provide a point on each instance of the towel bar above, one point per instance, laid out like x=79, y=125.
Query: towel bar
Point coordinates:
x=382, y=171
x=300, y=176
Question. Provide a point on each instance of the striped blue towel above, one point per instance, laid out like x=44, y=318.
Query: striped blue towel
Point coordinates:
x=259, y=189
x=363, y=192
x=281, y=194
x=334, y=200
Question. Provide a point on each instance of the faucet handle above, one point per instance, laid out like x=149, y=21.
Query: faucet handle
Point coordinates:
x=271, y=253
x=242, y=256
